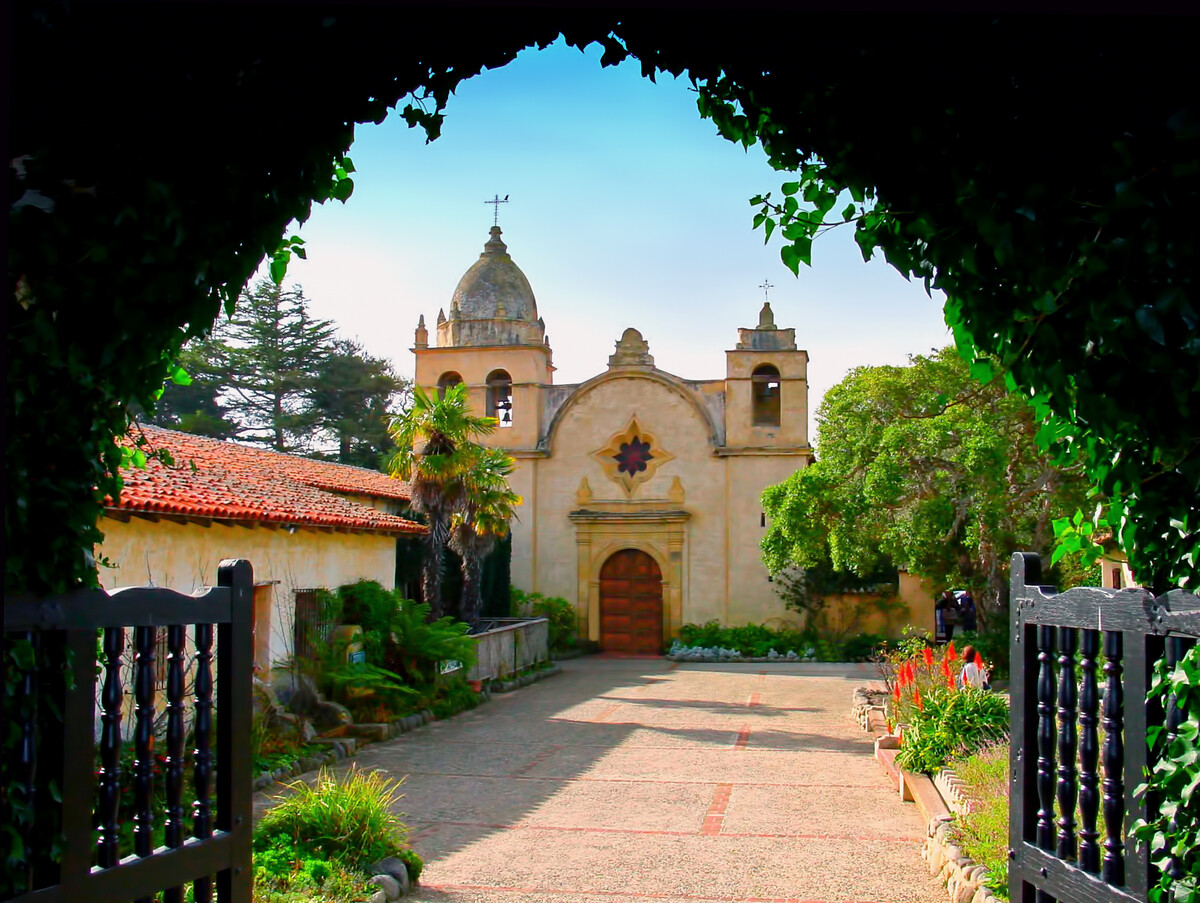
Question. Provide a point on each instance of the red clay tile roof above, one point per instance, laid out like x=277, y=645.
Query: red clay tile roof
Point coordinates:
x=224, y=480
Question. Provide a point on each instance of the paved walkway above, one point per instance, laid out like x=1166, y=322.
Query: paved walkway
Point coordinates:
x=639, y=779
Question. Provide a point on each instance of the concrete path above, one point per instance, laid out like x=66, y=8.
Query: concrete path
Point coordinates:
x=639, y=779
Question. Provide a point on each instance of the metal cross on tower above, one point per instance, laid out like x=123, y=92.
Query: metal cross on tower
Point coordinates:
x=496, y=202
x=766, y=287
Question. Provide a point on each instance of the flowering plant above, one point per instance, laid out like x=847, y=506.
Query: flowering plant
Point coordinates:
x=913, y=674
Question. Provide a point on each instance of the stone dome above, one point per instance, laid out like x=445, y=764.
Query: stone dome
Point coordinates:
x=494, y=286
x=493, y=303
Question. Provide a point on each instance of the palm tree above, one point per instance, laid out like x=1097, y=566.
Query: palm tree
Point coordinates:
x=488, y=505
x=434, y=438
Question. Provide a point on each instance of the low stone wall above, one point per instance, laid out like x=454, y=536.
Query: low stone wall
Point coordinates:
x=963, y=877
x=512, y=646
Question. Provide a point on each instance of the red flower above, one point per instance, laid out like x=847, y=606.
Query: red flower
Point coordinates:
x=896, y=692
x=917, y=700
x=950, y=653
x=946, y=666
x=950, y=681
x=928, y=657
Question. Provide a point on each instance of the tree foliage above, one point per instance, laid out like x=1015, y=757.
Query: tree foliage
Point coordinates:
x=923, y=467
x=488, y=507
x=274, y=375
x=1061, y=231
x=435, y=454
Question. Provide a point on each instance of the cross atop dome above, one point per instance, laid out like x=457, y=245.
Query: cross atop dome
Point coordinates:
x=496, y=202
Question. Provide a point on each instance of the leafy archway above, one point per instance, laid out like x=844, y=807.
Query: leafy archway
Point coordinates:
x=1045, y=177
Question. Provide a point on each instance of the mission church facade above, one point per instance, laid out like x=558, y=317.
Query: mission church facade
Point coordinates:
x=641, y=489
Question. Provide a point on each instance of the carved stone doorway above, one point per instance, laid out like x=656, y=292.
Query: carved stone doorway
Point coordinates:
x=631, y=604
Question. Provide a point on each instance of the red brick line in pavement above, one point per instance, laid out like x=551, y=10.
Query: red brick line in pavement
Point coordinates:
x=755, y=699
x=715, y=816
x=743, y=737
x=562, y=780
x=705, y=830
x=560, y=893
x=537, y=759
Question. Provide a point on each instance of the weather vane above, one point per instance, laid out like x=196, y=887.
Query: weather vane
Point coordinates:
x=496, y=202
x=766, y=286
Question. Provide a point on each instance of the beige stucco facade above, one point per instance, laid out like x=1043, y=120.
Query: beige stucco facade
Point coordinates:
x=634, y=458
x=184, y=556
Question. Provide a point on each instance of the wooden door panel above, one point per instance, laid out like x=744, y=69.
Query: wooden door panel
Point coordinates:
x=631, y=603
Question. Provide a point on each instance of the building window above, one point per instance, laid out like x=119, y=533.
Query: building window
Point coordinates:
x=499, y=397
x=762, y=518
x=1116, y=578
x=765, y=405
x=446, y=380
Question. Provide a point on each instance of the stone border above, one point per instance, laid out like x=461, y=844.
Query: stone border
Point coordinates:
x=963, y=877
x=507, y=686
x=341, y=748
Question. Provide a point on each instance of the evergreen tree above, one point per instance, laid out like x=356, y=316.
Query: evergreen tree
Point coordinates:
x=273, y=351
x=355, y=398
x=275, y=375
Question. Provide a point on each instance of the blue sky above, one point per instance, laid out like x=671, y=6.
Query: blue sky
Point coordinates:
x=626, y=209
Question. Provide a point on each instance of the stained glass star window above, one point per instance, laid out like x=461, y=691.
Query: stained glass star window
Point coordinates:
x=633, y=456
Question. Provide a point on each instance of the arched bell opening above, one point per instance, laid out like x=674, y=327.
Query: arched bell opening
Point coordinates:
x=446, y=380
x=499, y=397
x=766, y=395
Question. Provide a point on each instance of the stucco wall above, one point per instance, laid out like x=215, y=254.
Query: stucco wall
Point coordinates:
x=185, y=557
x=752, y=598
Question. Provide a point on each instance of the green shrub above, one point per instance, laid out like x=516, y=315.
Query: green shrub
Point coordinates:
x=413, y=863
x=348, y=821
x=757, y=640
x=555, y=609
x=948, y=724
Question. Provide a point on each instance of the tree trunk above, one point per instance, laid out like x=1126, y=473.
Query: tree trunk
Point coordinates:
x=431, y=577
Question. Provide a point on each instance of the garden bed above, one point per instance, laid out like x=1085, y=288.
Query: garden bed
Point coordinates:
x=940, y=799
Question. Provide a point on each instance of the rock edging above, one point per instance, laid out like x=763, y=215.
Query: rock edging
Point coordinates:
x=341, y=748
x=964, y=878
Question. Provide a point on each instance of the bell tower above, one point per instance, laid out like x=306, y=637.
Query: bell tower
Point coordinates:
x=495, y=342
x=766, y=388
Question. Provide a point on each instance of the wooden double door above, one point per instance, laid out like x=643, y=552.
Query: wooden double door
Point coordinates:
x=631, y=604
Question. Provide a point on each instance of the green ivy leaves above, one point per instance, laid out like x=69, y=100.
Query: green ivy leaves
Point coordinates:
x=1173, y=835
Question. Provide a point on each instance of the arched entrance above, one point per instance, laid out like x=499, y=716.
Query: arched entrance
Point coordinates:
x=631, y=604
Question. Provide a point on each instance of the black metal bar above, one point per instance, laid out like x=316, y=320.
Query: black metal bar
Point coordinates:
x=79, y=742
x=143, y=743
x=1068, y=788
x=1045, y=738
x=173, y=822
x=235, y=674
x=25, y=779
x=1089, y=756
x=111, y=697
x=202, y=774
x=1113, y=866
x=1022, y=818
x=139, y=606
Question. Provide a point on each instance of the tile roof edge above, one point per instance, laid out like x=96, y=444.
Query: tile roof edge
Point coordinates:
x=411, y=528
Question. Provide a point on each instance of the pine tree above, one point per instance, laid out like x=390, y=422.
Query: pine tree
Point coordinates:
x=355, y=398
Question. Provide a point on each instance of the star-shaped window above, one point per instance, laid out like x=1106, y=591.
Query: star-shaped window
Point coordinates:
x=631, y=457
